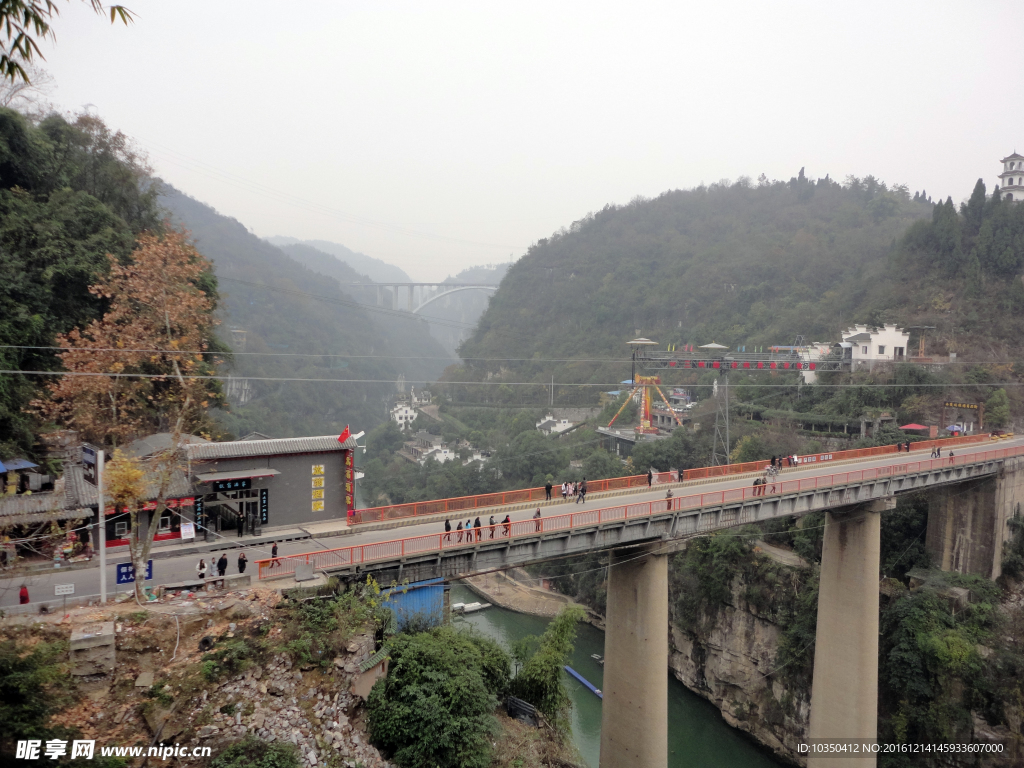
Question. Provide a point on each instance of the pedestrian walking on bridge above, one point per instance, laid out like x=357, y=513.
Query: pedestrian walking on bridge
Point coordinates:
x=507, y=522
x=242, y=562
x=650, y=478
x=583, y=492
x=547, y=490
x=536, y=516
x=448, y=531
x=459, y=532
x=222, y=564
x=492, y=526
x=476, y=526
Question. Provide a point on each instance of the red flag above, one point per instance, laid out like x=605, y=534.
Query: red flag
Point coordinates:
x=344, y=435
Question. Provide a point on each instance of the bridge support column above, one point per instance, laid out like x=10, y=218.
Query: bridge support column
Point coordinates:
x=844, y=691
x=968, y=523
x=634, y=716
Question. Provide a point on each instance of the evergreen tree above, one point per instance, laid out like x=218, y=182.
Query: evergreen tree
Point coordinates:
x=948, y=235
x=974, y=210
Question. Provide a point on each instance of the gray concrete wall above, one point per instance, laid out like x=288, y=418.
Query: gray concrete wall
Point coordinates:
x=634, y=714
x=291, y=501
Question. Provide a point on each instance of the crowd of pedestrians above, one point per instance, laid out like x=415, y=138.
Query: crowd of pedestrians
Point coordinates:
x=474, y=530
x=576, y=491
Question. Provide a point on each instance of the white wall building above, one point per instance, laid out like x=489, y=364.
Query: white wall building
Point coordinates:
x=403, y=414
x=440, y=453
x=887, y=344
x=1011, y=180
x=549, y=425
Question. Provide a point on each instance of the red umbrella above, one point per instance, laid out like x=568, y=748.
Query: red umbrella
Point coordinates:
x=913, y=426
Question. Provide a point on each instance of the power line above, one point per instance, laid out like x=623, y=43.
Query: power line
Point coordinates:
x=323, y=354
x=233, y=353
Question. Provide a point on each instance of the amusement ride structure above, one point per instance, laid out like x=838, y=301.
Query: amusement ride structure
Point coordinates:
x=718, y=357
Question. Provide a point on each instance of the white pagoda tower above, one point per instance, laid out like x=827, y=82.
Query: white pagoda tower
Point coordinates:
x=1011, y=180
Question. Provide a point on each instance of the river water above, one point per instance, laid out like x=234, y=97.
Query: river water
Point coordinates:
x=697, y=734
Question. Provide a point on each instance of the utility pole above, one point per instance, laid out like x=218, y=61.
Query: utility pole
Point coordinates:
x=102, y=514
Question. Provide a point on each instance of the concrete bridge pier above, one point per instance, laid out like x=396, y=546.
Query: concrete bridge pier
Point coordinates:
x=969, y=523
x=634, y=716
x=844, y=691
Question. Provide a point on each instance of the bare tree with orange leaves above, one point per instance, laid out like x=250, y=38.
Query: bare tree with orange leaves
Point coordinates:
x=132, y=370
x=140, y=368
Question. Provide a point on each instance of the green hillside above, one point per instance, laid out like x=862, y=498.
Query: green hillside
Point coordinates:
x=379, y=271
x=760, y=265
x=70, y=193
x=734, y=264
x=273, y=299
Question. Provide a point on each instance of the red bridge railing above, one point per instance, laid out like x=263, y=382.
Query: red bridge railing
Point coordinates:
x=463, y=503
x=435, y=542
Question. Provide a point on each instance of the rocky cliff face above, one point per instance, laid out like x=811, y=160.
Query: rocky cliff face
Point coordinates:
x=730, y=661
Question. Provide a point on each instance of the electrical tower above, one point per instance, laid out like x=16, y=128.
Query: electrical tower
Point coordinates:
x=721, y=448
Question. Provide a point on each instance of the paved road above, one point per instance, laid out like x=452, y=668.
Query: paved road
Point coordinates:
x=174, y=569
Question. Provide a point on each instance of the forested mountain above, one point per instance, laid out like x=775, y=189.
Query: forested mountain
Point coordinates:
x=730, y=263
x=377, y=270
x=759, y=265
x=294, y=320
x=70, y=193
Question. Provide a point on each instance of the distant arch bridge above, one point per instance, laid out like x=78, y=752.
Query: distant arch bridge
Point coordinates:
x=420, y=295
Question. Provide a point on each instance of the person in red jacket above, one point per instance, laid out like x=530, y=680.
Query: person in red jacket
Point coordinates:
x=23, y=595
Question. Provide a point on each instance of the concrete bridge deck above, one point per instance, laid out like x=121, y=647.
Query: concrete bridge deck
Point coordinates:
x=644, y=516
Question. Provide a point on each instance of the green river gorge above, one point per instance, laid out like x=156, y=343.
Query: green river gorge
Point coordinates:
x=697, y=734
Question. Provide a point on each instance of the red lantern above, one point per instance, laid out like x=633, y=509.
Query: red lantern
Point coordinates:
x=813, y=365
x=716, y=364
x=746, y=365
x=700, y=363
x=786, y=366
x=760, y=365
x=672, y=364
x=773, y=366
x=735, y=364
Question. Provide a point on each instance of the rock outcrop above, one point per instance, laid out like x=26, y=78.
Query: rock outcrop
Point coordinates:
x=730, y=662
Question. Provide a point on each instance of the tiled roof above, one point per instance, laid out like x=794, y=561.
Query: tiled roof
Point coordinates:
x=374, y=660
x=83, y=494
x=37, y=507
x=275, y=447
x=78, y=496
x=153, y=444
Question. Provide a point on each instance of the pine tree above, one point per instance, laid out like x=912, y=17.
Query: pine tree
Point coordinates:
x=947, y=232
x=973, y=210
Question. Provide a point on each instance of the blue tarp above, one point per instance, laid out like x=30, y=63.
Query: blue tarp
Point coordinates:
x=10, y=465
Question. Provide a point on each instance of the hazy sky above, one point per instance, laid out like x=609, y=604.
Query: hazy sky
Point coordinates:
x=442, y=135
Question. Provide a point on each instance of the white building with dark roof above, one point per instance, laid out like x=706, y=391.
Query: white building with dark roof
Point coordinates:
x=1011, y=180
x=872, y=345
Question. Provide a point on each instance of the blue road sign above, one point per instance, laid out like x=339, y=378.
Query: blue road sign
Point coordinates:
x=126, y=572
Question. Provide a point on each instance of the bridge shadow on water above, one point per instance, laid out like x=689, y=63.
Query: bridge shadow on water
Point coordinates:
x=697, y=734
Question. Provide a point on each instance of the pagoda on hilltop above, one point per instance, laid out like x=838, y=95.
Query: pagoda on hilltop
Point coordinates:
x=1011, y=180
